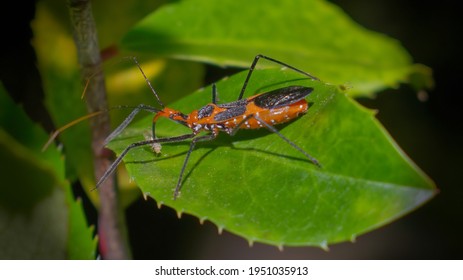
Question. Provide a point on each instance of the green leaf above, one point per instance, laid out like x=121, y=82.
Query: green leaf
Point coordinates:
x=35, y=218
x=259, y=187
x=316, y=36
x=21, y=145
x=81, y=244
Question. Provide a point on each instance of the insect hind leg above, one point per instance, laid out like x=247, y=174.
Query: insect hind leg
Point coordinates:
x=253, y=66
x=274, y=130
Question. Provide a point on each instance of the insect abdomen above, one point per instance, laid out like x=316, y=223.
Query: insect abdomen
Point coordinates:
x=279, y=115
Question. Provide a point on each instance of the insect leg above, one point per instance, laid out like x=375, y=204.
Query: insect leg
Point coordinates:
x=274, y=130
x=118, y=160
x=254, y=63
x=214, y=94
x=127, y=120
x=236, y=128
x=192, y=145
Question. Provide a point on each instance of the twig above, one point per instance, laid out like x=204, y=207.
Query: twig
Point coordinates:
x=113, y=242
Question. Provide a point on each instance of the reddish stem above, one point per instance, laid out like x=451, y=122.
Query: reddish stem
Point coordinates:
x=113, y=243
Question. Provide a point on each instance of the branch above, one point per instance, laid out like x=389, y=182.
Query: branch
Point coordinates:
x=111, y=227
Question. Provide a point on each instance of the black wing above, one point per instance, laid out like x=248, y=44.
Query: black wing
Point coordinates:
x=282, y=97
x=232, y=112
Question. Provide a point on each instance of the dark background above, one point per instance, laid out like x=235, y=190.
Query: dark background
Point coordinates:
x=429, y=132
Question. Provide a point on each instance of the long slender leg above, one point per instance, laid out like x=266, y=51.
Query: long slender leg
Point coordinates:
x=118, y=160
x=127, y=121
x=274, y=130
x=253, y=65
x=182, y=171
x=214, y=94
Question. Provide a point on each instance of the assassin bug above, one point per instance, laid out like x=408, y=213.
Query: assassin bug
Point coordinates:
x=260, y=110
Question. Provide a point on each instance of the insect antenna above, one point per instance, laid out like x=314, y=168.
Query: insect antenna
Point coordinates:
x=138, y=108
x=148, y=81
x=55, y=134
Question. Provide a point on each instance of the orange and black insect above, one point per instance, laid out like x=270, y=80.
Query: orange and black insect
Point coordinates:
x=261, y=110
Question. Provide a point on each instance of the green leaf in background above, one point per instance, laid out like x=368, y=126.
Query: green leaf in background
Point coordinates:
x=259, y=187
x=312, y=35
x=81, y=245
x=36, y=221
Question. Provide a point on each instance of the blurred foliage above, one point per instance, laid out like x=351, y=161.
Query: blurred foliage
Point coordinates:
x=38, y=215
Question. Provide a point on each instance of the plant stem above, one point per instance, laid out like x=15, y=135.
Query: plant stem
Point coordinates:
x=111, y=223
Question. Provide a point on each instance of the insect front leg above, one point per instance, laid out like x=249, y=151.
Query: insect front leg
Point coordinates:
x=118, y=160
x=127, y=121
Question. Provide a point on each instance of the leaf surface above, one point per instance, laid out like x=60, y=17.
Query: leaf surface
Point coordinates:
x=257, y=186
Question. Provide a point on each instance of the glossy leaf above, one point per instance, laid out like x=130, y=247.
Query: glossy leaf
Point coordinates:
x=259, y=187
x=313, y=35
x=82, y=244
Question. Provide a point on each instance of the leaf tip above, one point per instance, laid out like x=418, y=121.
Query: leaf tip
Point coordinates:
x=420, y=77
x=146, y=195
x=201, y=220
x=180, y=213
x=353, y=238
x=324, y=246
x=220, y=229
x=251, y=243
